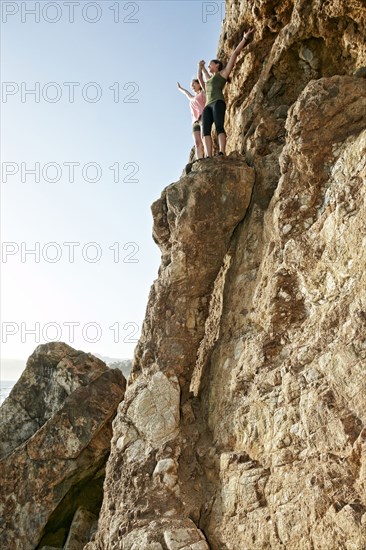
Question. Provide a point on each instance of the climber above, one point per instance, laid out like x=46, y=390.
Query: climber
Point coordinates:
x=214, y=111
x=197, y=103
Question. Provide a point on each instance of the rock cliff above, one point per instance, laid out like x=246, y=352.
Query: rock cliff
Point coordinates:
x=243, y=424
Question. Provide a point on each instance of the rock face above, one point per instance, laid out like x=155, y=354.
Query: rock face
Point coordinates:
x=243, y=425
x=155, y=433
x=288, y=430
x=56, y=431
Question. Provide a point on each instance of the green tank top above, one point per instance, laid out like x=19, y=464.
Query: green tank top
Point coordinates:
x=214, y=87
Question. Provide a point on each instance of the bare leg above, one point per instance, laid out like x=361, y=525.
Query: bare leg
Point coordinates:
x=198, y=144
x=208, y=145
x=222, y=142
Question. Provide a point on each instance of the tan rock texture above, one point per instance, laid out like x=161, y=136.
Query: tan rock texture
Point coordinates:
x=156, y=433
x=58, y=419
x=82, y=525
x=52, y=373
x=243, y=424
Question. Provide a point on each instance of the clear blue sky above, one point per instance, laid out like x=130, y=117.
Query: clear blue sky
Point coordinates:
x=162, y=46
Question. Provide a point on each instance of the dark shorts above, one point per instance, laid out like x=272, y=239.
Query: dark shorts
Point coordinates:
x=197, y=125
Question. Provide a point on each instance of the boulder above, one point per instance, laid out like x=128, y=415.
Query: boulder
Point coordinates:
x=68, y=400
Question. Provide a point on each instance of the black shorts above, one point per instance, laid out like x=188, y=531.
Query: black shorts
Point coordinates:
x=197, y=125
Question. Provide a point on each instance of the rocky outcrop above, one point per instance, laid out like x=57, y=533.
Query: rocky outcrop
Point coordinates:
x=56, y=430
x=52, y=373
x=244, y=421
x=155, y=433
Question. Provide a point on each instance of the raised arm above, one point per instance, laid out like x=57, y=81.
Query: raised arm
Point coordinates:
x=229, y=67
x=184, y=91
x=201, y=67
x=206, y=73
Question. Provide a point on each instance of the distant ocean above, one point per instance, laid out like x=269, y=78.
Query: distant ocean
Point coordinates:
x=5, y=389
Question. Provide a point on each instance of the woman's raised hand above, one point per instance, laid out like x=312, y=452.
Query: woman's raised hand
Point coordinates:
x=248, y=33
x=179, y=86
x=201, y=64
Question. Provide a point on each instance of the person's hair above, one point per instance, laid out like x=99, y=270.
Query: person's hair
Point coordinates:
x=198, y=82
x=221, y=66
x=219, y=63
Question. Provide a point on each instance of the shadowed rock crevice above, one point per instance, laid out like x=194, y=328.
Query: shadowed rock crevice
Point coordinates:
x=88, y=495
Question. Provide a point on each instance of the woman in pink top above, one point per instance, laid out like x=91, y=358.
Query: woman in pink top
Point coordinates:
x=197, y=103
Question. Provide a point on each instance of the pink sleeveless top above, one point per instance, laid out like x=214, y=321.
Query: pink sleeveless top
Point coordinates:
x=197, y=104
